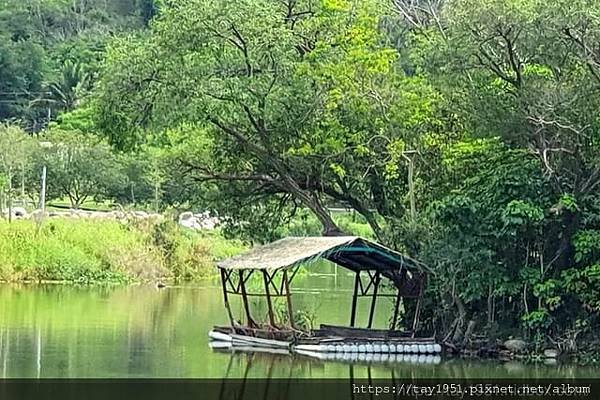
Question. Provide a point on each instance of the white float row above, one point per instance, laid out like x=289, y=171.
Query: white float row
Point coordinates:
x=374, y=357
x=410, y=348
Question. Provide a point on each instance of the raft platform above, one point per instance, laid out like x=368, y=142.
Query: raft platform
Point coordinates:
x=277, y=264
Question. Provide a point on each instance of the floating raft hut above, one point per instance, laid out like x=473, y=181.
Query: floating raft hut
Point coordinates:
x=278, y=263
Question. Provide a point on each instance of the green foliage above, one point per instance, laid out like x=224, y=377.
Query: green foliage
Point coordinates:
x=79, y=166
x=537, y=320
x=191, y=255
x=584, y=283
x=587, y=245
x=70, y=250
x=284, y=113
x=50, y=51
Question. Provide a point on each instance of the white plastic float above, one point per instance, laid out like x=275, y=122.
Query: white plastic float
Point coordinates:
x=372, y=348
x=219, y=336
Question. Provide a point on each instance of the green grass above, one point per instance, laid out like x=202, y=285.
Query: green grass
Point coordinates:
x=92, y=205
x=93, y=251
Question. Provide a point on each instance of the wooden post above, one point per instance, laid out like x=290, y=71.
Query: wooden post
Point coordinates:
x=245, y=299
x=225, y=299
x=354, y=299
x=416, y=319
x=373, y=300
x=288, y=297
x=418, y=306
x=396, y=307
x=269, y=303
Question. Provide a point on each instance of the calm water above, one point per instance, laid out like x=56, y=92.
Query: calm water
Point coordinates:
x=140, y=331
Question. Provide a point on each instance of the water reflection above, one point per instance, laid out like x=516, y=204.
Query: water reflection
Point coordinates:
x=246, y=357
x=59, y=331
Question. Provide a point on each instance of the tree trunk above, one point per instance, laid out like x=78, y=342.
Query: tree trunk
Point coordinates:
x=311, y=200
x=132, y=193
x=369, y=216
x=330, y=228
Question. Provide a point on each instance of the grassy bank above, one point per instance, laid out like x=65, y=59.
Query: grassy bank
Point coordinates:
x=94, y=251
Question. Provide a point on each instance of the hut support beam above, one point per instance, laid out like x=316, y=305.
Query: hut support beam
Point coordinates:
x=396, y=310
x=224, y=280
x=269, y=303
x=245, y=300
x=373, y=299
x=354, y=299
x=288, y=297
x=415, y=325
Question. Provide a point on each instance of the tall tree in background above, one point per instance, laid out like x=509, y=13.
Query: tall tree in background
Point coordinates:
x=80, y=167
x=16, y=148
x=49, y=47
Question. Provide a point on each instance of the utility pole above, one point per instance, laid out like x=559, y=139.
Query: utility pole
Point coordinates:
x=43, y=191
x=44, y=145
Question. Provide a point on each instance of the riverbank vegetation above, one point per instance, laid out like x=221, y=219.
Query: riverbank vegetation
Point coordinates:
x=461, y=132
x=108, y=251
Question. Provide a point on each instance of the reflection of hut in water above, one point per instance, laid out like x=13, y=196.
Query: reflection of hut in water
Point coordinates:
x=279, y=371
x=278, y=263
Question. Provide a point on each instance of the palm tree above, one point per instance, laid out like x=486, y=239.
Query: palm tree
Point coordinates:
x=64, y=93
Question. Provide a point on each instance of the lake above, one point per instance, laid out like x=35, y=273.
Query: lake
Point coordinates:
x=60, y=331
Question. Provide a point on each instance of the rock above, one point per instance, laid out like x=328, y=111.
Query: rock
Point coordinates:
x=117, y=214
x=140, y=214
x=39, y=215
x=19, y=212
x=550, y=353
x=190, y=223
x=515, y=345
x=189, y=220
x=186, y=216
x=16, y=212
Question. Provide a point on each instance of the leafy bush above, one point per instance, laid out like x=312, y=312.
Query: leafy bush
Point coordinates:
x=108, y=251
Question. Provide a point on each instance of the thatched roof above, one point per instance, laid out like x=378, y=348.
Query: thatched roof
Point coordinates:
x=348, y=251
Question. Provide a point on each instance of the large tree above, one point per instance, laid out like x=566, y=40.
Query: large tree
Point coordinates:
x=79, y=167
x=303, y=101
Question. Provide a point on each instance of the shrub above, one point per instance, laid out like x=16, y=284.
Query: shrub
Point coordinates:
x=108, y=251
